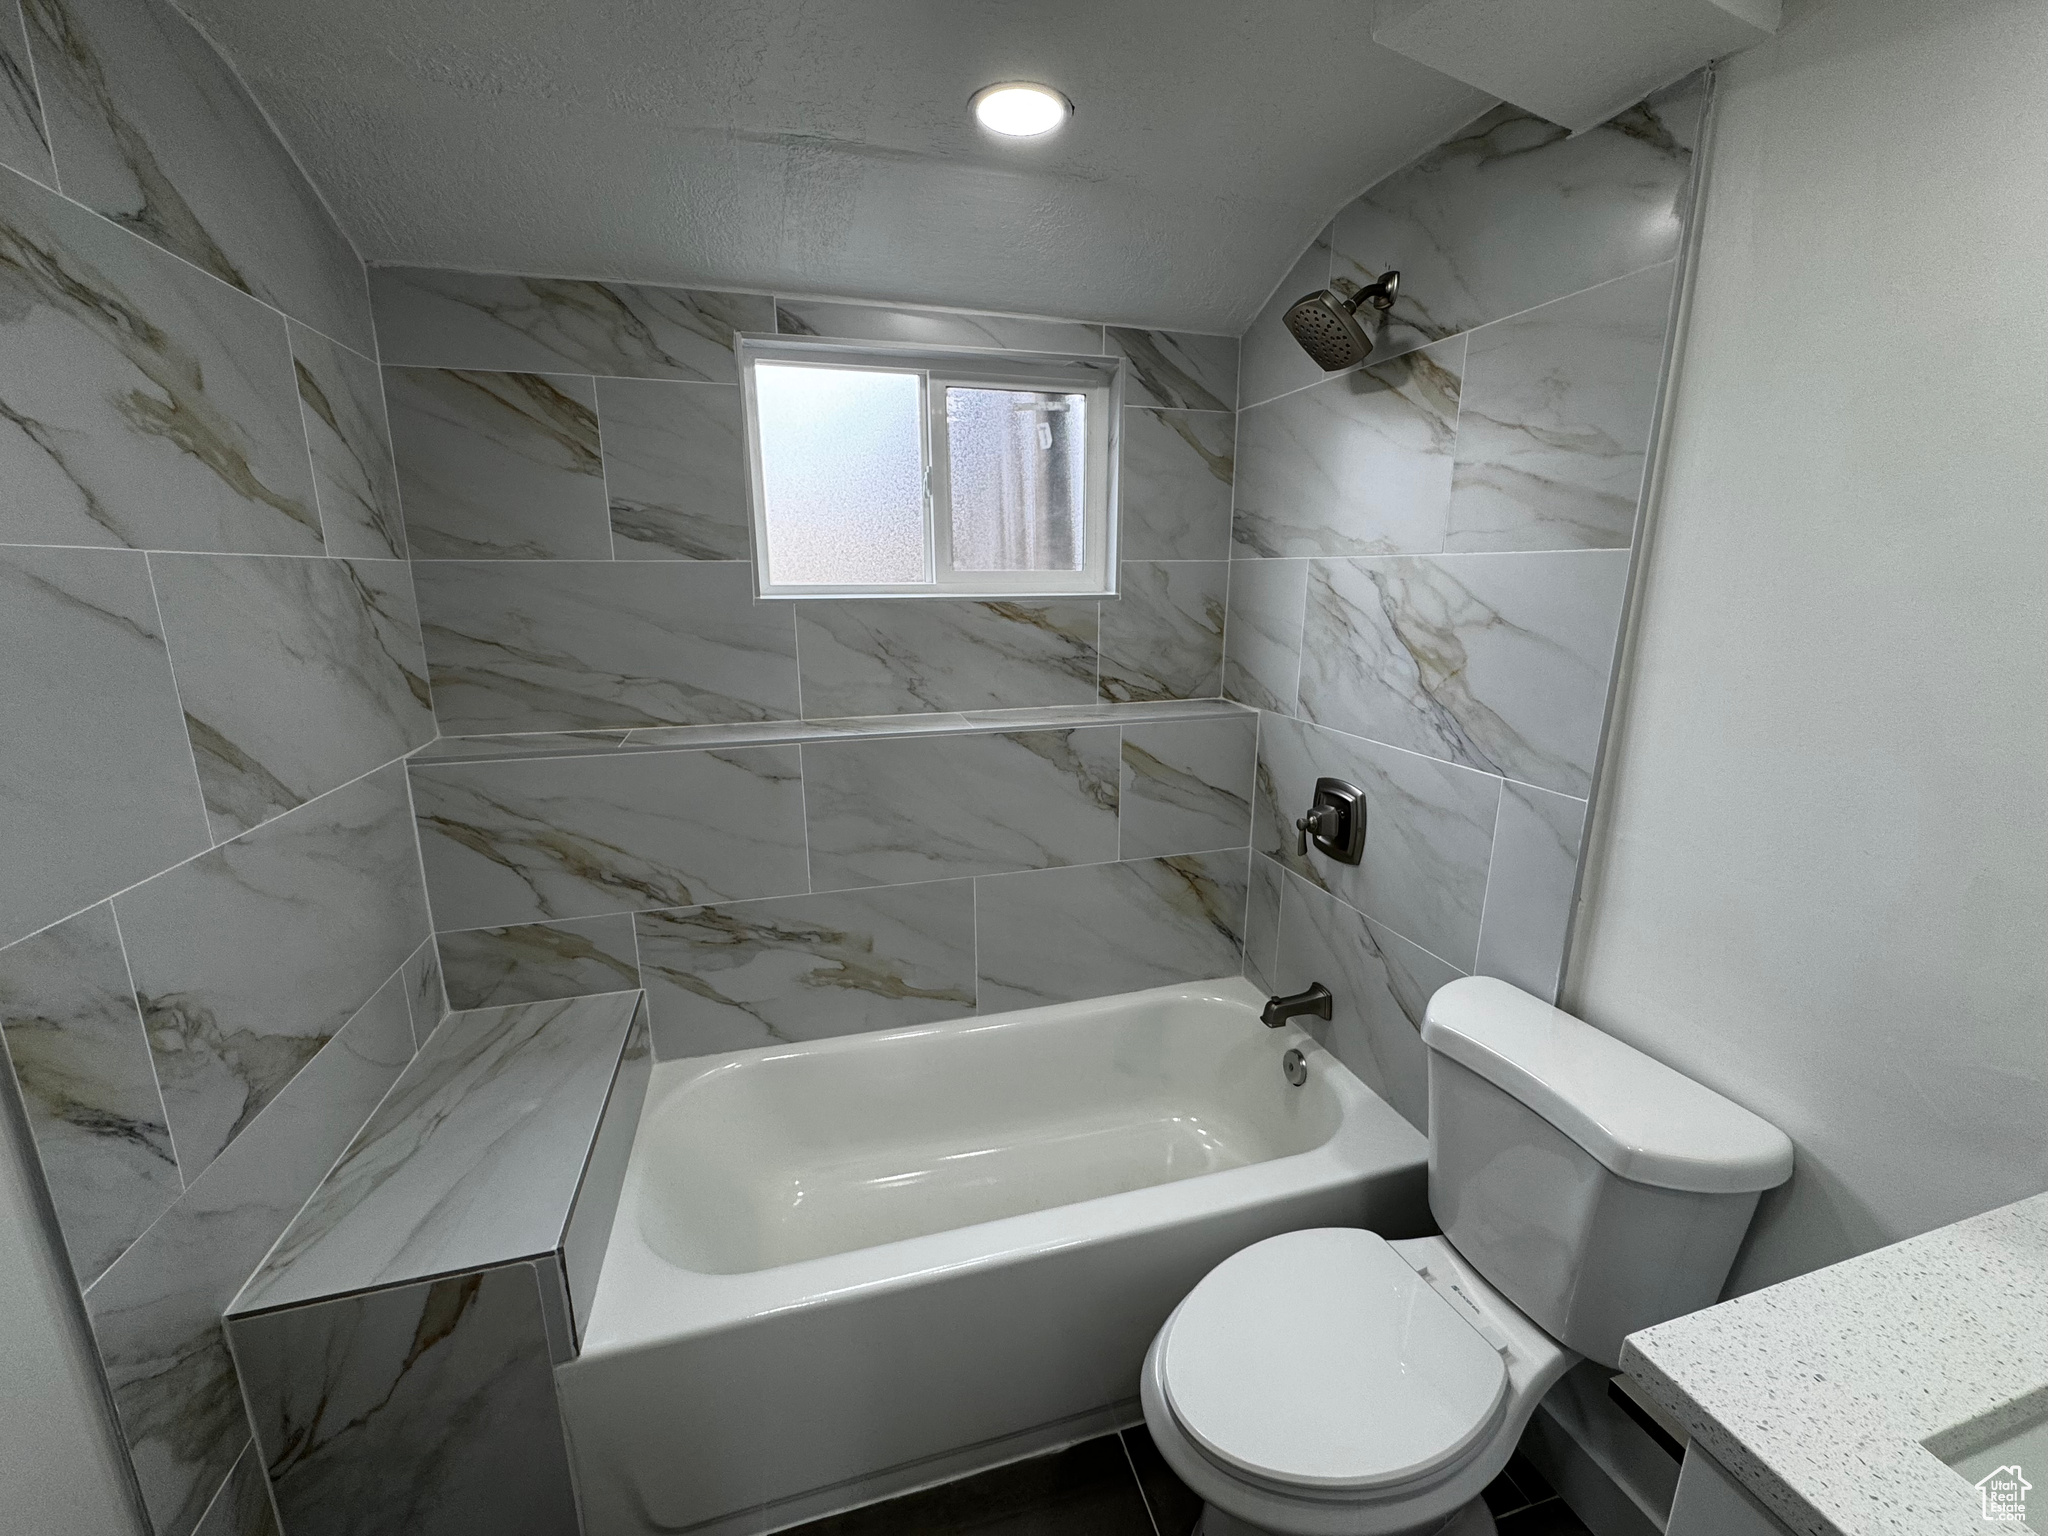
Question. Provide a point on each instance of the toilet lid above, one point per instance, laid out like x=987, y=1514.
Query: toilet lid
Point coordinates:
x=1319, y=1358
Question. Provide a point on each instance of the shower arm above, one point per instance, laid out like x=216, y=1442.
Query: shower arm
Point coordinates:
x=1382, y=292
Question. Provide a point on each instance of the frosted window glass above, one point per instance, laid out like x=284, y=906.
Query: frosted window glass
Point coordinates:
x=842, y=472
x=1019, y=461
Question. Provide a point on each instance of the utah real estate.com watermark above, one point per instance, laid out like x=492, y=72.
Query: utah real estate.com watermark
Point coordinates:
x=2005, y=1495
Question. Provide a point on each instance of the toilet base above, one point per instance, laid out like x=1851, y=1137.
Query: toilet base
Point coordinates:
x=1475, y=1519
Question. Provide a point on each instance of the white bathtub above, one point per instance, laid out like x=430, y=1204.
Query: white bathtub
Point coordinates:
x=847, y=1268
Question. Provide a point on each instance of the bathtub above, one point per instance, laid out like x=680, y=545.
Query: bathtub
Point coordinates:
x=848, y=1268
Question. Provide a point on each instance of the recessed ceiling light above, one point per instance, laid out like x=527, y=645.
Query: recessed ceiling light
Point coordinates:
x=1019, y=109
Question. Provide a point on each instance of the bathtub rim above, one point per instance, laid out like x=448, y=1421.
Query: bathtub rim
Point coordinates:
x=643, y=1299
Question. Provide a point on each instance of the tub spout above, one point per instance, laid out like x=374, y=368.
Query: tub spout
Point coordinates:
x=1314, y=1001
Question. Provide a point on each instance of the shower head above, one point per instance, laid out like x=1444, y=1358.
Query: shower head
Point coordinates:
x=1329, y=328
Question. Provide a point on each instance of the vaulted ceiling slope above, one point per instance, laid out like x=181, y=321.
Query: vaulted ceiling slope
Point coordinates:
x=824, y=146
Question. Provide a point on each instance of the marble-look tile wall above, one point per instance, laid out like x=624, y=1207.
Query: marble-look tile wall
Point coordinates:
x=571, y=464
x=1429, y=556
x=214, y=948
x=845, y=880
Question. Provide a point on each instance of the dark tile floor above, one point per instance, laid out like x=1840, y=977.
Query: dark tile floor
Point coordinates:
x=1119, y=1485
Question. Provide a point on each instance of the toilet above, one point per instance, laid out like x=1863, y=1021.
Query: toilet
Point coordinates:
x=1329, y=1382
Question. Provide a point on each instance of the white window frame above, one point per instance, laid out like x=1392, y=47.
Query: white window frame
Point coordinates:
x=1098, y=378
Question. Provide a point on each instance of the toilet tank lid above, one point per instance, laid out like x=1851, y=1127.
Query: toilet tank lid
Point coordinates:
x=1636, y=1116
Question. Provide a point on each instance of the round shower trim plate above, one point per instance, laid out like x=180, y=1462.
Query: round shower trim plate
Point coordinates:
x=1020, y=109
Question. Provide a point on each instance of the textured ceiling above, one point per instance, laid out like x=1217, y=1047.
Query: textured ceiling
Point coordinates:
x=823, y=146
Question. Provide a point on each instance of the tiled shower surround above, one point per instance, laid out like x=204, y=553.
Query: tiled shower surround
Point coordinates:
x=296, y=721
x=1429, y=557
x=1426, y=565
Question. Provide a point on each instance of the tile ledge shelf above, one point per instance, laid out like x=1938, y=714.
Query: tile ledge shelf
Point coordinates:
x=503, y=1141
x=672, y=738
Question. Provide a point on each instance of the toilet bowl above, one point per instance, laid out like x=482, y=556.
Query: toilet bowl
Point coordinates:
x=1329, y=1382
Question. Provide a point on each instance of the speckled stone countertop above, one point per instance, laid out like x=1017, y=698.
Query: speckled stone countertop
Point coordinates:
x=1824, y=1394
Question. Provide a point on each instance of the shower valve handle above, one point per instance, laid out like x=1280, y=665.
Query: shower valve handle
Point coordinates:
x=1321, y=821
x=1335, y=822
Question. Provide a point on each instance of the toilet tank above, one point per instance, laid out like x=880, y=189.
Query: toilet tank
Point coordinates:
x=1596, y=1188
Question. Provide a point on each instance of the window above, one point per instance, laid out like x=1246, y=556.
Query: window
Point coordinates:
x=930, y=471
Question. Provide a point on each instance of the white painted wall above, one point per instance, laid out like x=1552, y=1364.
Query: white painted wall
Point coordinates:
x=60, y=1474
x=1820, y=875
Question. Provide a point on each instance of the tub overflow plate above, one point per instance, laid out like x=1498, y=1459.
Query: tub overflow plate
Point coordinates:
x=1295, y=1065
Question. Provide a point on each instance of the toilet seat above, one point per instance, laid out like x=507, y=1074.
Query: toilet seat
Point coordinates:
x=1321, y=1361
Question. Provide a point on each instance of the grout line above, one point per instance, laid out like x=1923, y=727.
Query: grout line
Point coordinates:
x=1317, y=383
x=248, y=1419
x=152, y=549
x=1605, y=282
x=225, y=842
x=398, y=491
x=1121, y=794
x=1098, y=627
x=1466, y=334
x=974, y=910
x=1500, y=807
x=1251, y=840
x=28, y=49
x=803, y=800
x=346, y=1147
x=412, y=1018
x=1237, y=383
x=412, y=811
x=1131, y=1462
x=227, y=554
x=162, y=1216
x=334, y=341
x=1223, y=658
x=1244, y=917
x=183, y=261
x=1365, y=916
x=548, y=372
x=135, y=999
x=1280, y=923
x=1457, y=425
x=1293, y=709
x=1445, y=762
x=604, y=473
x=750, y=901
x=291, y=353
x=192, y=752
x=796, y=643
x=1454, y=554
x=583, y=560
x=1154, y=409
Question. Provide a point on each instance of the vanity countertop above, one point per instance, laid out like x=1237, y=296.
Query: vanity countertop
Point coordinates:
x=1823, y=1394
